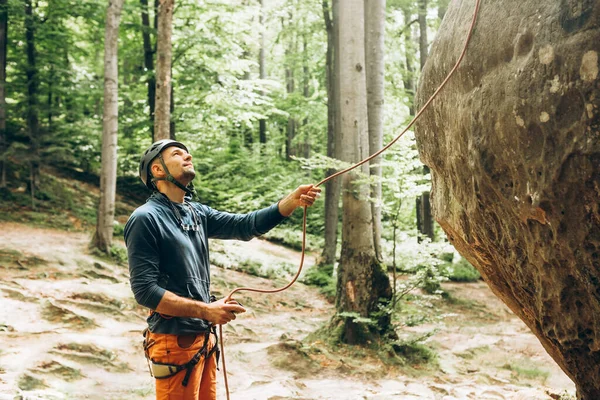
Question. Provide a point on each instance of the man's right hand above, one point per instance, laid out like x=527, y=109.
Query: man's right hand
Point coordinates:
x=221, y=312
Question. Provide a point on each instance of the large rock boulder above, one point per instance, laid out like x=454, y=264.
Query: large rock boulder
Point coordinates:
x=513, y=144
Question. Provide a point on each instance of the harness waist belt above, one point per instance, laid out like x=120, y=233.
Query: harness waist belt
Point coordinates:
x=164, y=370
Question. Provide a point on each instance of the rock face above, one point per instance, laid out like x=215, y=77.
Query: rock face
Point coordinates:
x=513, y=143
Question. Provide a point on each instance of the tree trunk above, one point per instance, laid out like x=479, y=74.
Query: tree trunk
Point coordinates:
x=3, y=47
x=408, y=77
x=423, y=32
x=424, y=217
x=361, y=279
x=332, y=187
x=162, y=113
x=172, y=110
x=375, y=75
x=149, y=63
x=306, y=93
x=291, y=125
x=290, y=85
x=262, y=123
x=32, y=100
x=108, y=174
x=50, y=97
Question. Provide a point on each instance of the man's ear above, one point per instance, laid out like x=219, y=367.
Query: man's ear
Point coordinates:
x=157, y=170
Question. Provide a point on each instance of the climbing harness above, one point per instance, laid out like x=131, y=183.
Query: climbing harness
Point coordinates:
x=165, y=370
x=421, y=111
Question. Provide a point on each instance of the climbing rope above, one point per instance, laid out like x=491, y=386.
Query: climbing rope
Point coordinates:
x=390, y=144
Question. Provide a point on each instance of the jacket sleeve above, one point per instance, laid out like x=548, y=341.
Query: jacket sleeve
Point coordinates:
x=223, y=225
x=141, y=239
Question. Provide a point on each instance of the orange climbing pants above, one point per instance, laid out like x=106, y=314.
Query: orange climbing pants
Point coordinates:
x=179, y=349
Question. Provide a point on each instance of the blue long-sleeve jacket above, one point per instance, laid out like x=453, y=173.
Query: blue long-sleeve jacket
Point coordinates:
x=163, y=256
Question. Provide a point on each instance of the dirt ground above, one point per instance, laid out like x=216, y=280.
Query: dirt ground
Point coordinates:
x=70, y=329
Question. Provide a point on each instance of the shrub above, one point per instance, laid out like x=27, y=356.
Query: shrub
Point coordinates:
x=321, y=277
x=118, y=229
x=463, y=271
x=119, y=254
x=446, y=256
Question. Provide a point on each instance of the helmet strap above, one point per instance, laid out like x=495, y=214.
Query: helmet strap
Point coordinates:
x=171, y=179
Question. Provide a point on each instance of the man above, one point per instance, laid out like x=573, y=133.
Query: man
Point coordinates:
x=167, y=246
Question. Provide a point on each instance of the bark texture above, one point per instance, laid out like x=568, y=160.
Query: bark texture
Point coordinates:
x=162, y=112
x=33, y=84
x=149, y=62
x=514, y=150
x=375, y=75
x=3, y=47
x=108, y=174
x=332, y=187
x=361, y=280
x=262, y=73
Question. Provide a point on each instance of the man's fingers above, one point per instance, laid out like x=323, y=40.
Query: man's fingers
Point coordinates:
x=307, y=200
x=234, y=308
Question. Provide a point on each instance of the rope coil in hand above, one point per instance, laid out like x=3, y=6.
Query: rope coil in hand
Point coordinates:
x=417, y=116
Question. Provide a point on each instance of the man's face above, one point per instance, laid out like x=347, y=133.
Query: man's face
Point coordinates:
x=179, y=163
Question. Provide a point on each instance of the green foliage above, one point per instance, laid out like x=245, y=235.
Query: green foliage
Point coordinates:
x=413, y=351
x=319, y=276
x=29, y=382
x=463, y=271
x=357, y=318
x=322, y=276
x=118, y=229
x=416, y=353
x=60, y=202
x=527, y=370
x=426, y=271
x=119, y=254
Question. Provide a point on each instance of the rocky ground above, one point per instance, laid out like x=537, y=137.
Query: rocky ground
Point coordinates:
x=69, y=329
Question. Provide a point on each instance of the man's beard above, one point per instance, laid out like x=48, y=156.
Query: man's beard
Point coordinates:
x=188, y=175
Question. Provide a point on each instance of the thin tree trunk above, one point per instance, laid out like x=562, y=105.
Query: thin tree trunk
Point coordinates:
x=290, y=149
x=332, y=187
x=408, y=78
x=423, y=32
x=394, y=264
x=162, y=113
x=361, y=279
x=262, y=123
x=424, y=216
x=3, y=60
x=306, y=93
x=149, y=62
x=32, y=100
x=375, y=73
x=50, y=98
x=247, y=133
x=172, y=110
x=108, y=174
x=291, y=126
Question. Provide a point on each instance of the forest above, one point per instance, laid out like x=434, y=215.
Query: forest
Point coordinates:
x=250, y=85
x=265, y=95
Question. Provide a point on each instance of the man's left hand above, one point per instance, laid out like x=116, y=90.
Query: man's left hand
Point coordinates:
x=304, y=195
